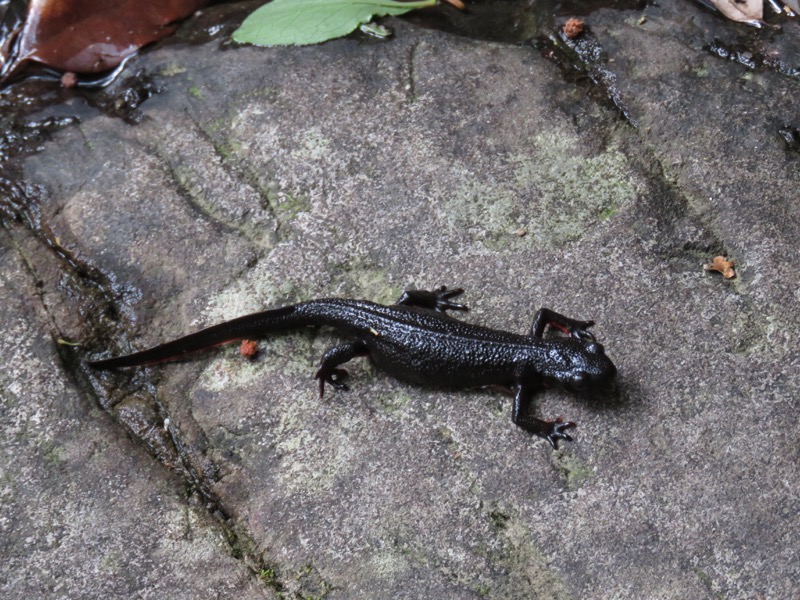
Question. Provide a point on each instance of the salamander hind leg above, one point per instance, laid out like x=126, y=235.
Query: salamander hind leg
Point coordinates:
x=552, y=431
x=438, y=299
x=329, y=372
x=545, y=317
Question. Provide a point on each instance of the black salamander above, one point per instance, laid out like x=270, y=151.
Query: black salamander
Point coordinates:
x=415, y=340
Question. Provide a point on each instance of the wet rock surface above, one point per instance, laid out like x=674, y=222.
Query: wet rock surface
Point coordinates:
x=252, y=178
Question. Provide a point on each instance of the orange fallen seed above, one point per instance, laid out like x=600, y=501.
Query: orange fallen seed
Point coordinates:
x=457, y=3
x=722, y=265
x=69, y=80
x=248, y=349
x=573, y=28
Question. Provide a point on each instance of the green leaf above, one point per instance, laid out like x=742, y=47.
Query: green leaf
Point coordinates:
x=286, y=22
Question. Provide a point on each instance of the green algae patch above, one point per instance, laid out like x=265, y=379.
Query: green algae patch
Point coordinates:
x=395, y=402
x=173, y=69
x=549, y=195
x=360, y=278
x=574, y=471
x=287, y=207
x=314, y=146
x=530, y=574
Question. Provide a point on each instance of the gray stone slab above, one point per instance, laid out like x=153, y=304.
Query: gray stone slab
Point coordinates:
x=259, y=177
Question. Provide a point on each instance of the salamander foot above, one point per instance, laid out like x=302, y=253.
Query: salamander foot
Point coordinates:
x=334, y=377
x=571, y=327
x=556, y=430
x=438, y=299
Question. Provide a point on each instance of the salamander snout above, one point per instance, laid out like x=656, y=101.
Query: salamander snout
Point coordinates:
x=594, y=370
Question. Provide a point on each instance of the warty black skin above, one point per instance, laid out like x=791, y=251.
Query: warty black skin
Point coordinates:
x=415, y=340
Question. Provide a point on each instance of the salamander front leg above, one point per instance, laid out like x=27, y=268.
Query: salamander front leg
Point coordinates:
x=552, y=431
x=545, y=317
x=438, y=300
x=328, y=371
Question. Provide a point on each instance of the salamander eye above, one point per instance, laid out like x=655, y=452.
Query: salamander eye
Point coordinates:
x=579, y=380
x=594, y=348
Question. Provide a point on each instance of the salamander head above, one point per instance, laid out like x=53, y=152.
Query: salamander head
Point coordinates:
x=579, y=365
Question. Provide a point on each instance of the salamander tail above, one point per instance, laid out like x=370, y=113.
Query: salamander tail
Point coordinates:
x=248, y=326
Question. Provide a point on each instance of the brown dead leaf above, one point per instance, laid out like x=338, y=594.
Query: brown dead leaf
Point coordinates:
x=89, y=36
x=722, y=265
x=744, y=11
x=457, y=3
